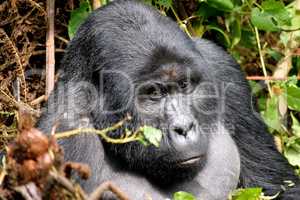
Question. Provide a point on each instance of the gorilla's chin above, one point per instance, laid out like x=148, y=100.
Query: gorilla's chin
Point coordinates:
x=162, y=169
x=166, y=174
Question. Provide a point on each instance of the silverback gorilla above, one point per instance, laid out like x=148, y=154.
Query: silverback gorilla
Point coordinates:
x=126, y=58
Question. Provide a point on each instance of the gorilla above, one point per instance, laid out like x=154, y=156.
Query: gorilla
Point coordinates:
x=127, y=58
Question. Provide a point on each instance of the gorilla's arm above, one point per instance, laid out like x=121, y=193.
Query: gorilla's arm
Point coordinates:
x=261, y=164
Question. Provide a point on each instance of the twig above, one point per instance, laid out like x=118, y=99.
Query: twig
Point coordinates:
x=190, y=18
x=62, y=181
x=96, y=4
x=262, y=61
x=38, y=100
x=103, y=133
x=18, y=105
x=15, y=52
x=258, y=78
x=35, y=4
x=297, y=6
x=29, y=191
x=67, y=184
x=108, y=186
x=16, y=89
x=62, y=39
x=181, y=24
x=3, y=172
x=183, y=14
x=39, y=52
x=50, y=48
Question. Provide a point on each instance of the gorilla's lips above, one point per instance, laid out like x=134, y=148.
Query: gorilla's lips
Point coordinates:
x=191, y=161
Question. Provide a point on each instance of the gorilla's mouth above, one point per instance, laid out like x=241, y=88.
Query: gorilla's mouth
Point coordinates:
x=191, y=161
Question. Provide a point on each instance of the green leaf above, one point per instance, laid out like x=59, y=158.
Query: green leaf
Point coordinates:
x=222, y=33
x=247, y=39
x=152, y=135
x=284, y=38
x=143, y=141
x=271, y=115
x=293, y=97
x=296, y=65
x=163, y=3
x=183, y=196
x=247, y=194
x=276, y=55
x=104, y=2
x=263, y=21
x=236, y=32
x=293, y=143
x=198, y=27
x=262, y=103
x=224, y=5
x=293, y=10
x=148, y=2
x=78, y=16
x=272, y=17
x=295, y=24
x=207, y=11
x=278, y=11
x=255, y=87
x=295, y=126
x=293, y=156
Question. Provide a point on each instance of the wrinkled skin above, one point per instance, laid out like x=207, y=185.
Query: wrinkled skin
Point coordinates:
x=128, y=59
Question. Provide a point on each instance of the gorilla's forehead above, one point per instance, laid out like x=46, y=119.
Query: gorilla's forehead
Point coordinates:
x=171, y=72
x=167, y=65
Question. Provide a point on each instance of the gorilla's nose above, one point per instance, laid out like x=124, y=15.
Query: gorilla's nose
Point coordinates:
x=182, y=128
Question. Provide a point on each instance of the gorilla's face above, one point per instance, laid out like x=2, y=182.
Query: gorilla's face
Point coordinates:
x=172, y=98
x=167, y=101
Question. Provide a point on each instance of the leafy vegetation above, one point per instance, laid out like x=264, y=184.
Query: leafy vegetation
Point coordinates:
x=78, y=16
x=183, y=196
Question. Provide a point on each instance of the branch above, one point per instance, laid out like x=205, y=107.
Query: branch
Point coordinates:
x=96, y=4
x=38, y=100
x=128, y=137
x=184, y=15
x=108, y=186
x=258, y=78
x=68, y=185
x=262, y=60
x=50, y=48
x=14, y=51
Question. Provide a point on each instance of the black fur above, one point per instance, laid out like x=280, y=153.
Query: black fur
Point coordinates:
x=128, y=37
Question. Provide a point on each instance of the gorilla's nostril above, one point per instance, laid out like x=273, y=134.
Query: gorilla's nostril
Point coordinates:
x=191, y=126
x=180, y=131
x=183, y=129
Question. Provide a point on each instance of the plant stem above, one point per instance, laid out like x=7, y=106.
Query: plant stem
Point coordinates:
x=262, y=61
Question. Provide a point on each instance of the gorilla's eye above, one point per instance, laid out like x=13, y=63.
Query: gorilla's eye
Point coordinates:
x=183, y=84
x=153, y=92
